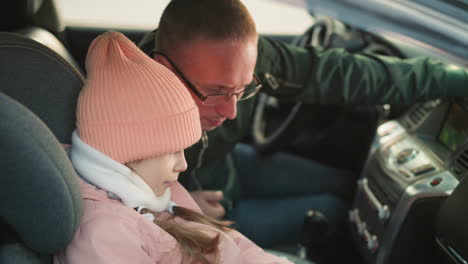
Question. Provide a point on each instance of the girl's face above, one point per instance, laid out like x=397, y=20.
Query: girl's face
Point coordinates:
x=160, y=172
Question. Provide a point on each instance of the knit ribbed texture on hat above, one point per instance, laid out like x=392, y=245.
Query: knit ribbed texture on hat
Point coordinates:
x=132, y=107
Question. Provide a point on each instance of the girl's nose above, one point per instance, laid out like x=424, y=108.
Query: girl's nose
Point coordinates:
x=180, y=164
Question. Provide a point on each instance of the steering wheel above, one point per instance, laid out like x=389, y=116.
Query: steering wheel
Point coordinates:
x=268, y=132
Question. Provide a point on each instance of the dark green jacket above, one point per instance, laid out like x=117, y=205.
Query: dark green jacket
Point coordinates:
x=319, y=77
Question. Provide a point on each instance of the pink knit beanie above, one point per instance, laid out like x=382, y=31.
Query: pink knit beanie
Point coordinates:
x=131, y=107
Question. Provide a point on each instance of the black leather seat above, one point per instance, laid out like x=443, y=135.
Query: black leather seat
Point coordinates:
x=39, y=196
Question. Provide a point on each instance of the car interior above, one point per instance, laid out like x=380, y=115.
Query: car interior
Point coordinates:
x=409, y=203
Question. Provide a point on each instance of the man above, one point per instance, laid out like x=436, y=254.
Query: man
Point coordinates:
x=213, y=47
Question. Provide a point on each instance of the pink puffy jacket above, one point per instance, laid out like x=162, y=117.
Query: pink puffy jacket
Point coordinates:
x=111, y=232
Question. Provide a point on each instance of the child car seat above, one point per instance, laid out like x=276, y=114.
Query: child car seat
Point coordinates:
x=40, y=201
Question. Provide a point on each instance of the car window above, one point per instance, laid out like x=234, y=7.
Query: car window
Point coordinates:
x=145, y=14
x=453, y=8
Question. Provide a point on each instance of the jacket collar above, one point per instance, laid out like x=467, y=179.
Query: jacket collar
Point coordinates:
x=115, y=178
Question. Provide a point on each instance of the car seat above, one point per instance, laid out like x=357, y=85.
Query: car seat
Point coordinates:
x=41, y=80
x=37, y=20
x=40, y=205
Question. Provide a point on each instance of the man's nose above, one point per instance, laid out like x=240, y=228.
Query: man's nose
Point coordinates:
x=228, y=108
x=181, y=163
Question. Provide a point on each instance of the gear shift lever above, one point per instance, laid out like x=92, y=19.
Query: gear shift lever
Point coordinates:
x=314, y=231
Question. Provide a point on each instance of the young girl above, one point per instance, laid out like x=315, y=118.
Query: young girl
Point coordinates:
x=134, y=120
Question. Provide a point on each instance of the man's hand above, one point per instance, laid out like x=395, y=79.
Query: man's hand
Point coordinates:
x=209, y=202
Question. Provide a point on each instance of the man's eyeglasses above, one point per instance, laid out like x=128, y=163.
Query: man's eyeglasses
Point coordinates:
x=213, y=99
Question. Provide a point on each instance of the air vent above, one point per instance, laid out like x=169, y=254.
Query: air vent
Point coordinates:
x=415, y=116
x=461, y=163
x=418, y=113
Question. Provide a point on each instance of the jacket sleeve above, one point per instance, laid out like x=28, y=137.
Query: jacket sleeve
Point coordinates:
x=335, y=76
x=105, y=239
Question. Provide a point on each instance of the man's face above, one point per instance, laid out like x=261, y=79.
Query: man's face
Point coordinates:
x=215, y=67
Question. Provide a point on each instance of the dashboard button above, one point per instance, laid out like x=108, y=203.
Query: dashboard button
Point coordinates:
x=422, y=169
x=405, y=173
x=372, y=243
x=384, y=213
x=436, y=181
x=406, y=155
x=386, y=132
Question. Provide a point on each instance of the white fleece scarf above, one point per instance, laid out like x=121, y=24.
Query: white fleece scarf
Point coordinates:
x=116, y=178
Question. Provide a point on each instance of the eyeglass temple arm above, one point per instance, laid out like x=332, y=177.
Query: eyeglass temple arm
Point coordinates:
x=189, y=84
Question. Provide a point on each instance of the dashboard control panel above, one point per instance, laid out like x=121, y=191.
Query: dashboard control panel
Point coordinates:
x=407, y=168
x=405, y=158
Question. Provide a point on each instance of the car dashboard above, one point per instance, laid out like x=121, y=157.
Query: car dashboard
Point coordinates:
x=415, y=162
x=418, y=156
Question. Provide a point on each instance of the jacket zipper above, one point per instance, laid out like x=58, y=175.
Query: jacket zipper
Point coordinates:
x=276, y=82
x=193, y=174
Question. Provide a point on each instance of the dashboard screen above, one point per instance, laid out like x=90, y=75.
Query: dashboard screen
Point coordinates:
x=455, y=128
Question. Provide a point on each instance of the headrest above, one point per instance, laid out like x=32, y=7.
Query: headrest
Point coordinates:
x=16, y=14
x=452, y=219
x=39, y=194
x=42, y=80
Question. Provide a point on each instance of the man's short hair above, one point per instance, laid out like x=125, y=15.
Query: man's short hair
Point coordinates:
x=187, y=20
